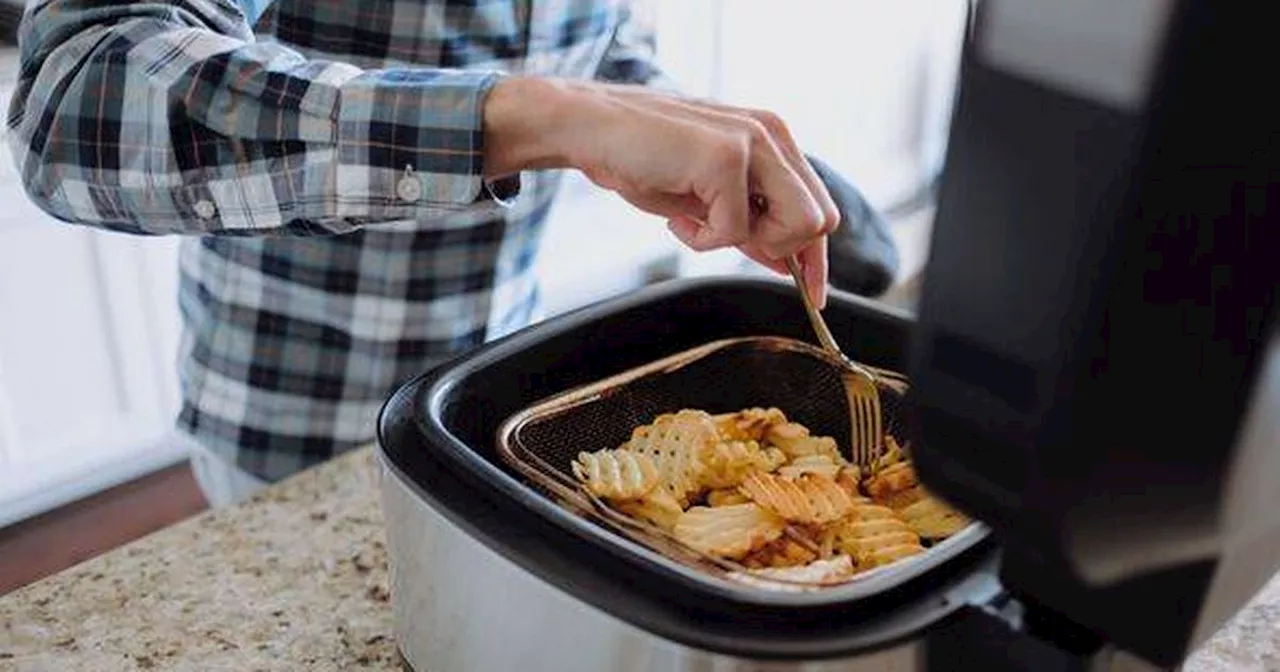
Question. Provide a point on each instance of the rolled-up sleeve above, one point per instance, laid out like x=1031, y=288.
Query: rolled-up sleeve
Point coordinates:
x=170, y=118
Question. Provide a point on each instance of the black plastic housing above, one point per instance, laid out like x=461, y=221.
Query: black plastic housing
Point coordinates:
x=1100, y=299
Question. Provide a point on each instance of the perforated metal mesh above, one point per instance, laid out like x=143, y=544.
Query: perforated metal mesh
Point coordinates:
x=723, y=377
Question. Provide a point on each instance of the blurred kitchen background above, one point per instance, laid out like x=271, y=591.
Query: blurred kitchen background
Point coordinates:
x=89, y=322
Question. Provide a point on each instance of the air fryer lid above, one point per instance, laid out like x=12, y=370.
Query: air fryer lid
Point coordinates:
x=437, y=434
x=1094, y=327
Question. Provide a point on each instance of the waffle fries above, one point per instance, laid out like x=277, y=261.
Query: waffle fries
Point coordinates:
x=756, y=489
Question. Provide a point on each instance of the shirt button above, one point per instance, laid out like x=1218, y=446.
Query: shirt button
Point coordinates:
x=205, y=209
x=409, y=189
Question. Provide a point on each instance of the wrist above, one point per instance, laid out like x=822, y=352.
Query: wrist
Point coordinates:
x=525, y=125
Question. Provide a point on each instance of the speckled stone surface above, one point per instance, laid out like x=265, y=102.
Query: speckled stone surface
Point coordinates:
x=296, y=580
x=292, y=580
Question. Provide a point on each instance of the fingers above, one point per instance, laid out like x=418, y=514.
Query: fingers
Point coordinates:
x=753, y=253
x=698, y=164
x=799, y=207
x=791, y=150
x=727, y=197
x=794, y=216
x=813, y=263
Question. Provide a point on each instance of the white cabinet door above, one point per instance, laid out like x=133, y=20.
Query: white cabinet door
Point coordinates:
x=88, y=341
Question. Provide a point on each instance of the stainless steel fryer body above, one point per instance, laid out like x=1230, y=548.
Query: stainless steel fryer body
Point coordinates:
x=461, y=607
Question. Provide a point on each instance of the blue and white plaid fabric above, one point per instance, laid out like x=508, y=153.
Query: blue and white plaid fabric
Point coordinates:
x=324, y=164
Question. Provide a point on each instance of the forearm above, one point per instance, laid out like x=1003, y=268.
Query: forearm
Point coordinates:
x=167, y=118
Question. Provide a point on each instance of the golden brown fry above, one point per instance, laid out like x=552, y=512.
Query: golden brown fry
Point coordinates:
x=865, y=529
x=616, y=474
x=749, y=424
x=933, y=519
x=890, y=480
x=861, y=547
x=901, y=500
x=781, y=552
x=886, y=555
x=821, y=465
x=729, y=462
x=794, y=440
x=808, y=499
x=777, y=499
x=677, y=443
x=848, y=478
x=728, y=531
x=658, y=508
x=871, y=541
x=726, y=497
x=866, y=510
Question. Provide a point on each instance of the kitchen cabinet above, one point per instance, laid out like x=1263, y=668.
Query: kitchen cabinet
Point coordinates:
x=88, y=336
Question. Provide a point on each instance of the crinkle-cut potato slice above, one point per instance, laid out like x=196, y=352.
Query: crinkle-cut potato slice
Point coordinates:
x=728, y=531
x=933, y=519
x=794, y=440
x=849, y=477
x=808, y=499
x=866, y=540
x=616, y=474
x=821, y=465
x=865, y=510
x=658, y=508
x=862, y=547
x=781, y=552
x=677, y=443
x=751, y=424
x=726, y=497
x=904, y=498
x=730, y=462
x=858, y=531
x=890, y=480
x=886, y=555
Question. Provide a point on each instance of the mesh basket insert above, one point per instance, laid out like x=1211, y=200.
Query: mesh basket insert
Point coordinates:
x=720, y=377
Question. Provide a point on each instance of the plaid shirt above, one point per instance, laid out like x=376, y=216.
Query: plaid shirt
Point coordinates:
x=325, y=166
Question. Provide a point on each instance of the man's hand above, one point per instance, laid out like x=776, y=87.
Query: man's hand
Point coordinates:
x=700, y=165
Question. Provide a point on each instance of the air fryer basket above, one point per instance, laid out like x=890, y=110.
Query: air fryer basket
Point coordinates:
x=722, y=376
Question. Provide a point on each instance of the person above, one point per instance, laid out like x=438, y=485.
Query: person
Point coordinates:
x=360, y=186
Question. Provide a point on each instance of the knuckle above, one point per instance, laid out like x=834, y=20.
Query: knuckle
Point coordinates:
x=812, y=220
x=830, y=219
x=728, y=154
x=772, y=123
x=755, y=131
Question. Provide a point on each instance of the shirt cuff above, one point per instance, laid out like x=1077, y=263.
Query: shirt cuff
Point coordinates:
x=413, y=139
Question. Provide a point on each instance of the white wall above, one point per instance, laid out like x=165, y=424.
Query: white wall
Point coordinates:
x=864, y=84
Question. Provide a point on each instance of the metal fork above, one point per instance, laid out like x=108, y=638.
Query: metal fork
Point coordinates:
x=859, y=383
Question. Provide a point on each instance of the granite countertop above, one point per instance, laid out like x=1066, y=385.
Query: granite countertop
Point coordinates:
x=293, y=579
x=296, y=579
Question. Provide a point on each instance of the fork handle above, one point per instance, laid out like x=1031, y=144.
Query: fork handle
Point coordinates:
x=815, y=318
